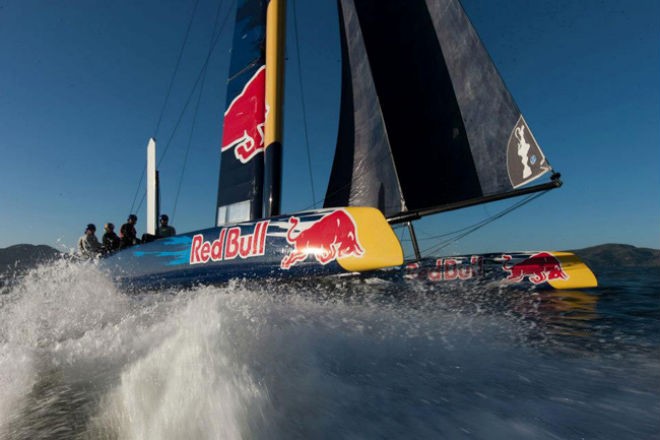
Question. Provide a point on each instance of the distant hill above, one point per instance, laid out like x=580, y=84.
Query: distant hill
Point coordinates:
x=21, y=257
x=619, y=255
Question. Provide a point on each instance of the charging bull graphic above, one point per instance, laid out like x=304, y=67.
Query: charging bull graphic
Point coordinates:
x=245, y=119
x=538, y=268
x=332, y=236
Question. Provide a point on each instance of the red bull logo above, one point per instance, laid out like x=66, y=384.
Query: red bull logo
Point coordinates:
x=538, y=268
x=332, y=236
x=448, y=269
x=229, y=244
x=245, y=119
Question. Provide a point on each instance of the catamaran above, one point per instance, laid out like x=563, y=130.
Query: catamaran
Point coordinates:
x=426, y=126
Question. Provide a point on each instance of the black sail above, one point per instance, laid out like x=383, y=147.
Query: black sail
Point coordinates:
x=426, y=121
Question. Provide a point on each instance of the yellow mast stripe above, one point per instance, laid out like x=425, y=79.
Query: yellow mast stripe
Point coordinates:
x=275, y=27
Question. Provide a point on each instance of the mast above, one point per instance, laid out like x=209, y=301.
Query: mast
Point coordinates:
x=413, y=239
x=152, y=188
x=275, y=43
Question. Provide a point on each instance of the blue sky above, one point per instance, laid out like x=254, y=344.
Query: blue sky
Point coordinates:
x=82, y=85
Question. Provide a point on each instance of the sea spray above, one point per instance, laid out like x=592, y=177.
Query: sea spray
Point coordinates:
x=45, y=321
x=192, y=384
x=335, y=358
x=65, y=332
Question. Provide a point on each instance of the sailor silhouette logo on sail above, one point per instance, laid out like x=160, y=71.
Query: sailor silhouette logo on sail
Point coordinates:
x=245, y=119
x=525, y=160
x=331, y=237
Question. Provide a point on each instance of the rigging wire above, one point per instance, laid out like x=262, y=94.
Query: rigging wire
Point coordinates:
x=401, y=231
x=185, y=157
x=176, y=68
x=214, y=34
x=137, y=191
x=192, y=91
x=167, y=95
x=470, y=229
x=302, y=101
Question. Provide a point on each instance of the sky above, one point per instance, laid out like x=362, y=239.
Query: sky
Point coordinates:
x=83, y=85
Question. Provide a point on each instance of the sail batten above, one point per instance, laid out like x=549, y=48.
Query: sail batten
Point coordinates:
x=419, y=88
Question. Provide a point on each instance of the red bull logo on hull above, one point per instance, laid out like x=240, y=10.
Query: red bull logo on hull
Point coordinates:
x=245, y=119
x=448, y=269
x=538, y=268
x=331, y=237
x=229, y=245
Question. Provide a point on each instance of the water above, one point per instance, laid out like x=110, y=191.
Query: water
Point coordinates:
x=79, y=359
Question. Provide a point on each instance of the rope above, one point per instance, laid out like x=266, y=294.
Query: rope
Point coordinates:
x=470, y=229
x=176, y=68
x=185, y=157
x=137, y=190
x=192, y=92
x=167, y=96
x=214, y=35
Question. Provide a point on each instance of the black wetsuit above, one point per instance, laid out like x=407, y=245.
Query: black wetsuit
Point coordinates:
x=128, y=235
x=111, y=242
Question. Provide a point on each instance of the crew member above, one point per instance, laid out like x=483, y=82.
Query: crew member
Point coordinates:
x=127, y=233
x=165, y=230
x=111, y=241
x=88, y=244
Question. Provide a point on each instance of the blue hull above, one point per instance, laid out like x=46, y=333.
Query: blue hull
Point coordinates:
x=323, y=243
x=176, y=261
x=314, y=243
